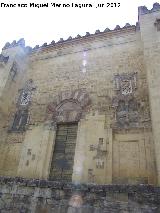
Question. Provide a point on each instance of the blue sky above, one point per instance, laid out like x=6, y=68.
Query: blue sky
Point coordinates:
x=40, y=25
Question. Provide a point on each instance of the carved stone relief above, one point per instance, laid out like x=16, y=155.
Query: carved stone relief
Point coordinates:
x=127, y=113
x=69, y=106
x=25, y=94
x=69, y=111
x=128, y=107
x=25, y=98
x=125, y=83
x=124, y=103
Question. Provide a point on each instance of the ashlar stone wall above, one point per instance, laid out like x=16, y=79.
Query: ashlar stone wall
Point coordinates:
x=151, y=38
x=98, y=81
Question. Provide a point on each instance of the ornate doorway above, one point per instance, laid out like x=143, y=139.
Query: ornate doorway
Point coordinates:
x=63, y=154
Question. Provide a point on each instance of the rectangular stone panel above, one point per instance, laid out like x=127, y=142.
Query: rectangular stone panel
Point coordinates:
x=129, y=159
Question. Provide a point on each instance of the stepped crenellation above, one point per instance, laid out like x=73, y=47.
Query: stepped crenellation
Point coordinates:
x=21, y=42
x=141, y=10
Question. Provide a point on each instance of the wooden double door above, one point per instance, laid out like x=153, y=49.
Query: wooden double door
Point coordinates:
x=64, y=151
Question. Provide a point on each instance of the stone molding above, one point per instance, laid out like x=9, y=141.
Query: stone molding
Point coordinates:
x=68, y=106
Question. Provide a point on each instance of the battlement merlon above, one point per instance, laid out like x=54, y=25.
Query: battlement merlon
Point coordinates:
x=14, y=49
x=21, y=43
x=142, y=10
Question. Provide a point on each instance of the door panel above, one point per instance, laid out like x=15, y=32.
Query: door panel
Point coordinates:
x=64, y=150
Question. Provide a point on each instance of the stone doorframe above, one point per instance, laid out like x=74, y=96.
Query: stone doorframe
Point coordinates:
x=66, y=107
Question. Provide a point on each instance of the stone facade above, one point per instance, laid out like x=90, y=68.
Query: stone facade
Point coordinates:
x=106, y=83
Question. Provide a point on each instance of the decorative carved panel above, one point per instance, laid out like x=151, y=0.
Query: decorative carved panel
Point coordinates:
x=25, y=98
x=21, y=116
x=125, y=83
x=130, y=109
x=25, y=94
x=127, y=113
x=69, y=111
x=126, y=87
x=128, y=106
x=68, y=106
